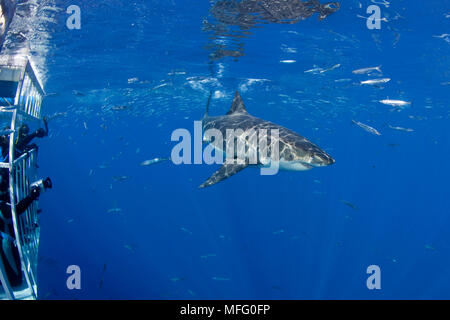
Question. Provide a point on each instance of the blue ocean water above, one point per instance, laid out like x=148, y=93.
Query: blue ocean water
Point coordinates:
x=138, y=70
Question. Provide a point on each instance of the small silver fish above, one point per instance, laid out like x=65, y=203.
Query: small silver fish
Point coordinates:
x=395, y=103
x=160, y=86
x=115, y=210
x=343, y=80
x=367, y=128
x=349, y=204
x=444, y=35
x=372, y=82
x=401, y=129
x=121, y=178
x=318, y=70
x=367, y=70
x=332, y=68
x=220, y=279
x=154, y=161
x=314, y=70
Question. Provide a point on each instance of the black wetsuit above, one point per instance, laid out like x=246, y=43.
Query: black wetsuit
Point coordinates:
x=23, y=139
x=4, y=144
x=7, y=238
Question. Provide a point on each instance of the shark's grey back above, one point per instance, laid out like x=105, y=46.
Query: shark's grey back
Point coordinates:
x=281, y=144
x=290, y=142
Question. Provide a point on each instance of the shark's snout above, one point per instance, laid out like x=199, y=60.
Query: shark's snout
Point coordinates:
x=328, y=8
x=322, y=159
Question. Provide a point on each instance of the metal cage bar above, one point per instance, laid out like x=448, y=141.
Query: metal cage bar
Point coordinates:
x=9, y=293
x=29, y=94
x=24, y=169
x=22, y=172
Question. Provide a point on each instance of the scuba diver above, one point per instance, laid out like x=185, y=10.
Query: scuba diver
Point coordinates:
x=9, y=254
x=22, y=145
x=24, y=137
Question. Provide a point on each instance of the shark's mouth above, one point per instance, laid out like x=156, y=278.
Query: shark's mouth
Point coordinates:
x=294, y=165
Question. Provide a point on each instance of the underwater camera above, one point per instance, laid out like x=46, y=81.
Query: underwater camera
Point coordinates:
x=42, y=184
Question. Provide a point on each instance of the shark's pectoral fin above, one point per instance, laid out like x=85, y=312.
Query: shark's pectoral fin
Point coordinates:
x=225, y=171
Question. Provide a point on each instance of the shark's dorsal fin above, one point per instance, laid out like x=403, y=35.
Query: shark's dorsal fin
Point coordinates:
x=238, y=105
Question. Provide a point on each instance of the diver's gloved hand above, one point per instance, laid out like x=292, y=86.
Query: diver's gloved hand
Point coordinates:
x=40, y=133
x=35, y=193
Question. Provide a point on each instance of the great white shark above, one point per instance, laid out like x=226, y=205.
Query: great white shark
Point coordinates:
x=293, y=152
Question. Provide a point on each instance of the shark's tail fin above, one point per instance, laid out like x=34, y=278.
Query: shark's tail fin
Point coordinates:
x=207, y=104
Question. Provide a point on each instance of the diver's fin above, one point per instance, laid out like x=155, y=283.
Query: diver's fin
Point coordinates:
x=238, y=105
x=225, y=171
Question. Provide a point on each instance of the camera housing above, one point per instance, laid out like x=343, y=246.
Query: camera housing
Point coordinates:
x=42, y=184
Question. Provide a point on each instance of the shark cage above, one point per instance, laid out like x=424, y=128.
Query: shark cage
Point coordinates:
x=21, y=96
